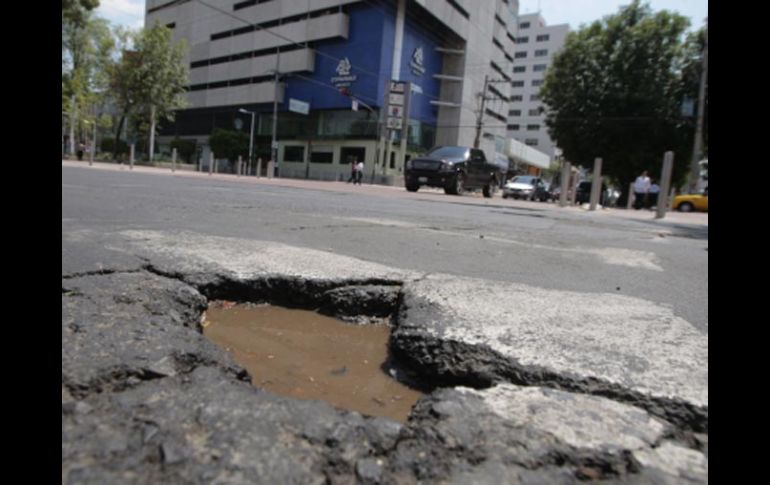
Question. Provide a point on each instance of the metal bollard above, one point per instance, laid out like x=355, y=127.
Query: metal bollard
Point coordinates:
x=596, y=185
x=665, y=184
x=565, y=176
x=173, y=160
x=631, y=196
x=238, y=170
x=131, y=160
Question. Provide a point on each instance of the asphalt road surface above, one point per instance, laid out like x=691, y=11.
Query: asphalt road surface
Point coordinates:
x=554, y=345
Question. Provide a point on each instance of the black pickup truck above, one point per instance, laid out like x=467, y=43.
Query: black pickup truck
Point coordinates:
x=455, y=169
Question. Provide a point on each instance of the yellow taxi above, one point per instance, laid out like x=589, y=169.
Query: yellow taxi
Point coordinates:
x=691, y=202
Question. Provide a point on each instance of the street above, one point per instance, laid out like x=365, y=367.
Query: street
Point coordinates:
x=568, y=310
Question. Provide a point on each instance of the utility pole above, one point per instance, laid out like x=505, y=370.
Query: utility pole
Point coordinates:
x=251, y=137
x=484, y=99
x=152, y=132
x=274, y=144
x=698, y=143
x=480, y=117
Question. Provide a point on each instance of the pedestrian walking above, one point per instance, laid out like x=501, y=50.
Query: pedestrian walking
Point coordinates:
x=353, y=167
x=359, y=172
x=641, y=187
x=652, y=195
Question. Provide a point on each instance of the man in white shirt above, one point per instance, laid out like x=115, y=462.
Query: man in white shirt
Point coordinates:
x=641, y=187
x=359, y=171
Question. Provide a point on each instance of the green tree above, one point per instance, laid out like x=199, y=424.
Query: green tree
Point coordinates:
x=614, y=91
x=161, y=76
x=691, y=74
x=185, y=148
x=229, y=144
x=87, y=50
x=148, y=82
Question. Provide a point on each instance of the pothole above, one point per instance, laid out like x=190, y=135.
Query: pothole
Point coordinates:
x=302, y=354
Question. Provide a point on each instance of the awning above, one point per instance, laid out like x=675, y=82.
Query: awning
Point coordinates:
x=521, y=153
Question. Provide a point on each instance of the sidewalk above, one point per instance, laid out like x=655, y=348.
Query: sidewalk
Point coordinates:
x=694, y=219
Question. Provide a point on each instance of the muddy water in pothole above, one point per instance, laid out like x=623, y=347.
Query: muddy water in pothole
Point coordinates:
x=305, y=355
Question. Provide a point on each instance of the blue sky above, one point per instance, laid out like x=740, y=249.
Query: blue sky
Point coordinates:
x=574, y=12
x=577, y=12
x=129, y=13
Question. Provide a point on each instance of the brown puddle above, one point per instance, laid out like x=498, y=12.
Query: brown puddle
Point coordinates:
x=305, y=355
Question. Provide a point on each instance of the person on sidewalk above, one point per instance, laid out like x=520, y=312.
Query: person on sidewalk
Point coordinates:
x=353, y=167
x=641, y=187
x=652, y=195
x=359, y=172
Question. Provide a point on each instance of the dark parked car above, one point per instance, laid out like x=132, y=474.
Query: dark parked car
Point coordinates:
x=455, y=169
x=583, y=194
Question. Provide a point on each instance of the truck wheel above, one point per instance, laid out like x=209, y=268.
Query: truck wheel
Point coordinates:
x=488, y=190
x=412, y=188
x=457, y=187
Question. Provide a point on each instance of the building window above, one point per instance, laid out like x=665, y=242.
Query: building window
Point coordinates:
x=537, y=82
x=520, y=55
x=517, y=84
x=514, y=112
x=539, y=67
x=541, y=53
x=522, y=40
x=543, y=38
x=519, y=68
x=294, y=154
x=531, y=142
x=322, y=156
x=513, y=127
x=248, y=3
x=534, y=112
x=533, y=127
x=348, y=153
x=524, y=25
x=534, y=97
x=517, y=97
x=460, y=10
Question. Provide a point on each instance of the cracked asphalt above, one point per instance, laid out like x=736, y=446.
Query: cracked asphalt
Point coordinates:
x=562, y=346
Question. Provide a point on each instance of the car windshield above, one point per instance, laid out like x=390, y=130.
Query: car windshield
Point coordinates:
x=523, y=179
x=457, y=153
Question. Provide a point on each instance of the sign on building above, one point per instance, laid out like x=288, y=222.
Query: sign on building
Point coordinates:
x=397, y=105
x=298, y=106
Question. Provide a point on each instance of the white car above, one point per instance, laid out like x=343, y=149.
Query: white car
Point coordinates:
x=526, y=187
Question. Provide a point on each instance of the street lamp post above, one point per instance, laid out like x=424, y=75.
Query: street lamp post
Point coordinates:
x=372, y=111
x=274, y=143
x=251, y=138
x=62, y=137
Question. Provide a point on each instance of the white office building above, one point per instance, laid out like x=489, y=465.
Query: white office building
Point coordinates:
x=332, y=52
x=536, y=44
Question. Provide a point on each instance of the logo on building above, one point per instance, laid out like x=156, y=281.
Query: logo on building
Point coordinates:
x=344, y=78
x=417, y=62
x=343, y=68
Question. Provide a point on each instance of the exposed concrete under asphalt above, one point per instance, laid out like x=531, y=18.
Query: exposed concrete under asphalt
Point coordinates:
x=615, y=384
